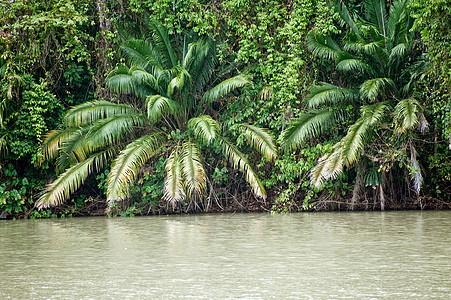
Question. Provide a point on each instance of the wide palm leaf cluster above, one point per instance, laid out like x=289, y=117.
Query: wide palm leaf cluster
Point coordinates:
x=172, y=87
x=379, y=66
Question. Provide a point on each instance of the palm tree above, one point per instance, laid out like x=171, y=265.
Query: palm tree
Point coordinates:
x=172, y=88
x=380, y=66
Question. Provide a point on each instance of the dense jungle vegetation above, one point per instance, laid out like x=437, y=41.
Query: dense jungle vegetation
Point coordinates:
x=166, y=106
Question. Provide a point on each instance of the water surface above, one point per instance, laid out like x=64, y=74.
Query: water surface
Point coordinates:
x=369, y=255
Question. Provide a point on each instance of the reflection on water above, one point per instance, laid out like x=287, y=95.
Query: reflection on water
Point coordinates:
x=257, y=256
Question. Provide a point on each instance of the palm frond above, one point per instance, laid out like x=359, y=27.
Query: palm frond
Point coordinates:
x=260, y=139
x=178, y=82
x=349, y=149
x=240, y=162
x=111, y=130
x=266, y=93
x=205, y=128
x=158, y=105
x=225, y=87
x=74, y=149
x=53, y=141
x=202, y=65
x=397, y=52
x=353, y=142
x=376, y=14
x=399, y=12
x=173, y=184
x=406, y=114
x=329, y=94
x=329, y=166
x=68, y=182
x=323, y=46
x=141, y=53
x=416, y=71
x=125, y=167
x=306, y=126
x=143, y=77
x=363, y=47
x=119, y=80
x=353, y=64
x=375, y=88
x=92, y=111
x=128, y=81
x=192, y=169
x=161, y=41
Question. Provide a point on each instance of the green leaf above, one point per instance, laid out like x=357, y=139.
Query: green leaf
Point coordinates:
x=204, y=127
x=225, y=87
x=192, y=169
x=68, y=182
x=240, y=162
x=173, y=184
x=125, y=167
x=158, y=106
x=260, y=139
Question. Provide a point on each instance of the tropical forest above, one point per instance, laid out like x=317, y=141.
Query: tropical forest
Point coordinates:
x=151, y=107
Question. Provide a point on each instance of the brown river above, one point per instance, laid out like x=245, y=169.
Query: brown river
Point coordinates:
x=358, y=255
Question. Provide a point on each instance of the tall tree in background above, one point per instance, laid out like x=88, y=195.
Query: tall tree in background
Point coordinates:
x=381, y=65
x=173, y=86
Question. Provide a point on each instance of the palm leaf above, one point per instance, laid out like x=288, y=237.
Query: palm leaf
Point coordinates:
x=352, y=143
x=323, y=46
x=330, y=94
x=158, y=105
x=68, y=182
x=53, y=141
x=125, y=167
x=353, y=64
x=74, y=149
x=119, y=80
x=375, y=88
x=306, y=126
x=173, y=184
x=134, y=80
x=90, y=112
x=399, y=12
x=406, y=114
x=240, y=162
x=161, y=40
x=143, y=77
x=397, y=52
x=225, y=87
x=178, y=82
x=362, y=46
x=141, y=53
x=348, y=150
x=317, y=174
x=260, y=139
x=204, y=127
x=202, y=65
x=111, y=130
x=376, y=14
x=192, y=169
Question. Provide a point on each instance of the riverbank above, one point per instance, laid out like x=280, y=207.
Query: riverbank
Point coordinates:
x=99, y=207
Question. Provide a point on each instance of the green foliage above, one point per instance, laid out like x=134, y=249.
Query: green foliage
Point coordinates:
x=39, y=112
x=386, y=75
x=292, y=176
x=433, y=20
x=17, y=189
x=171, y=88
